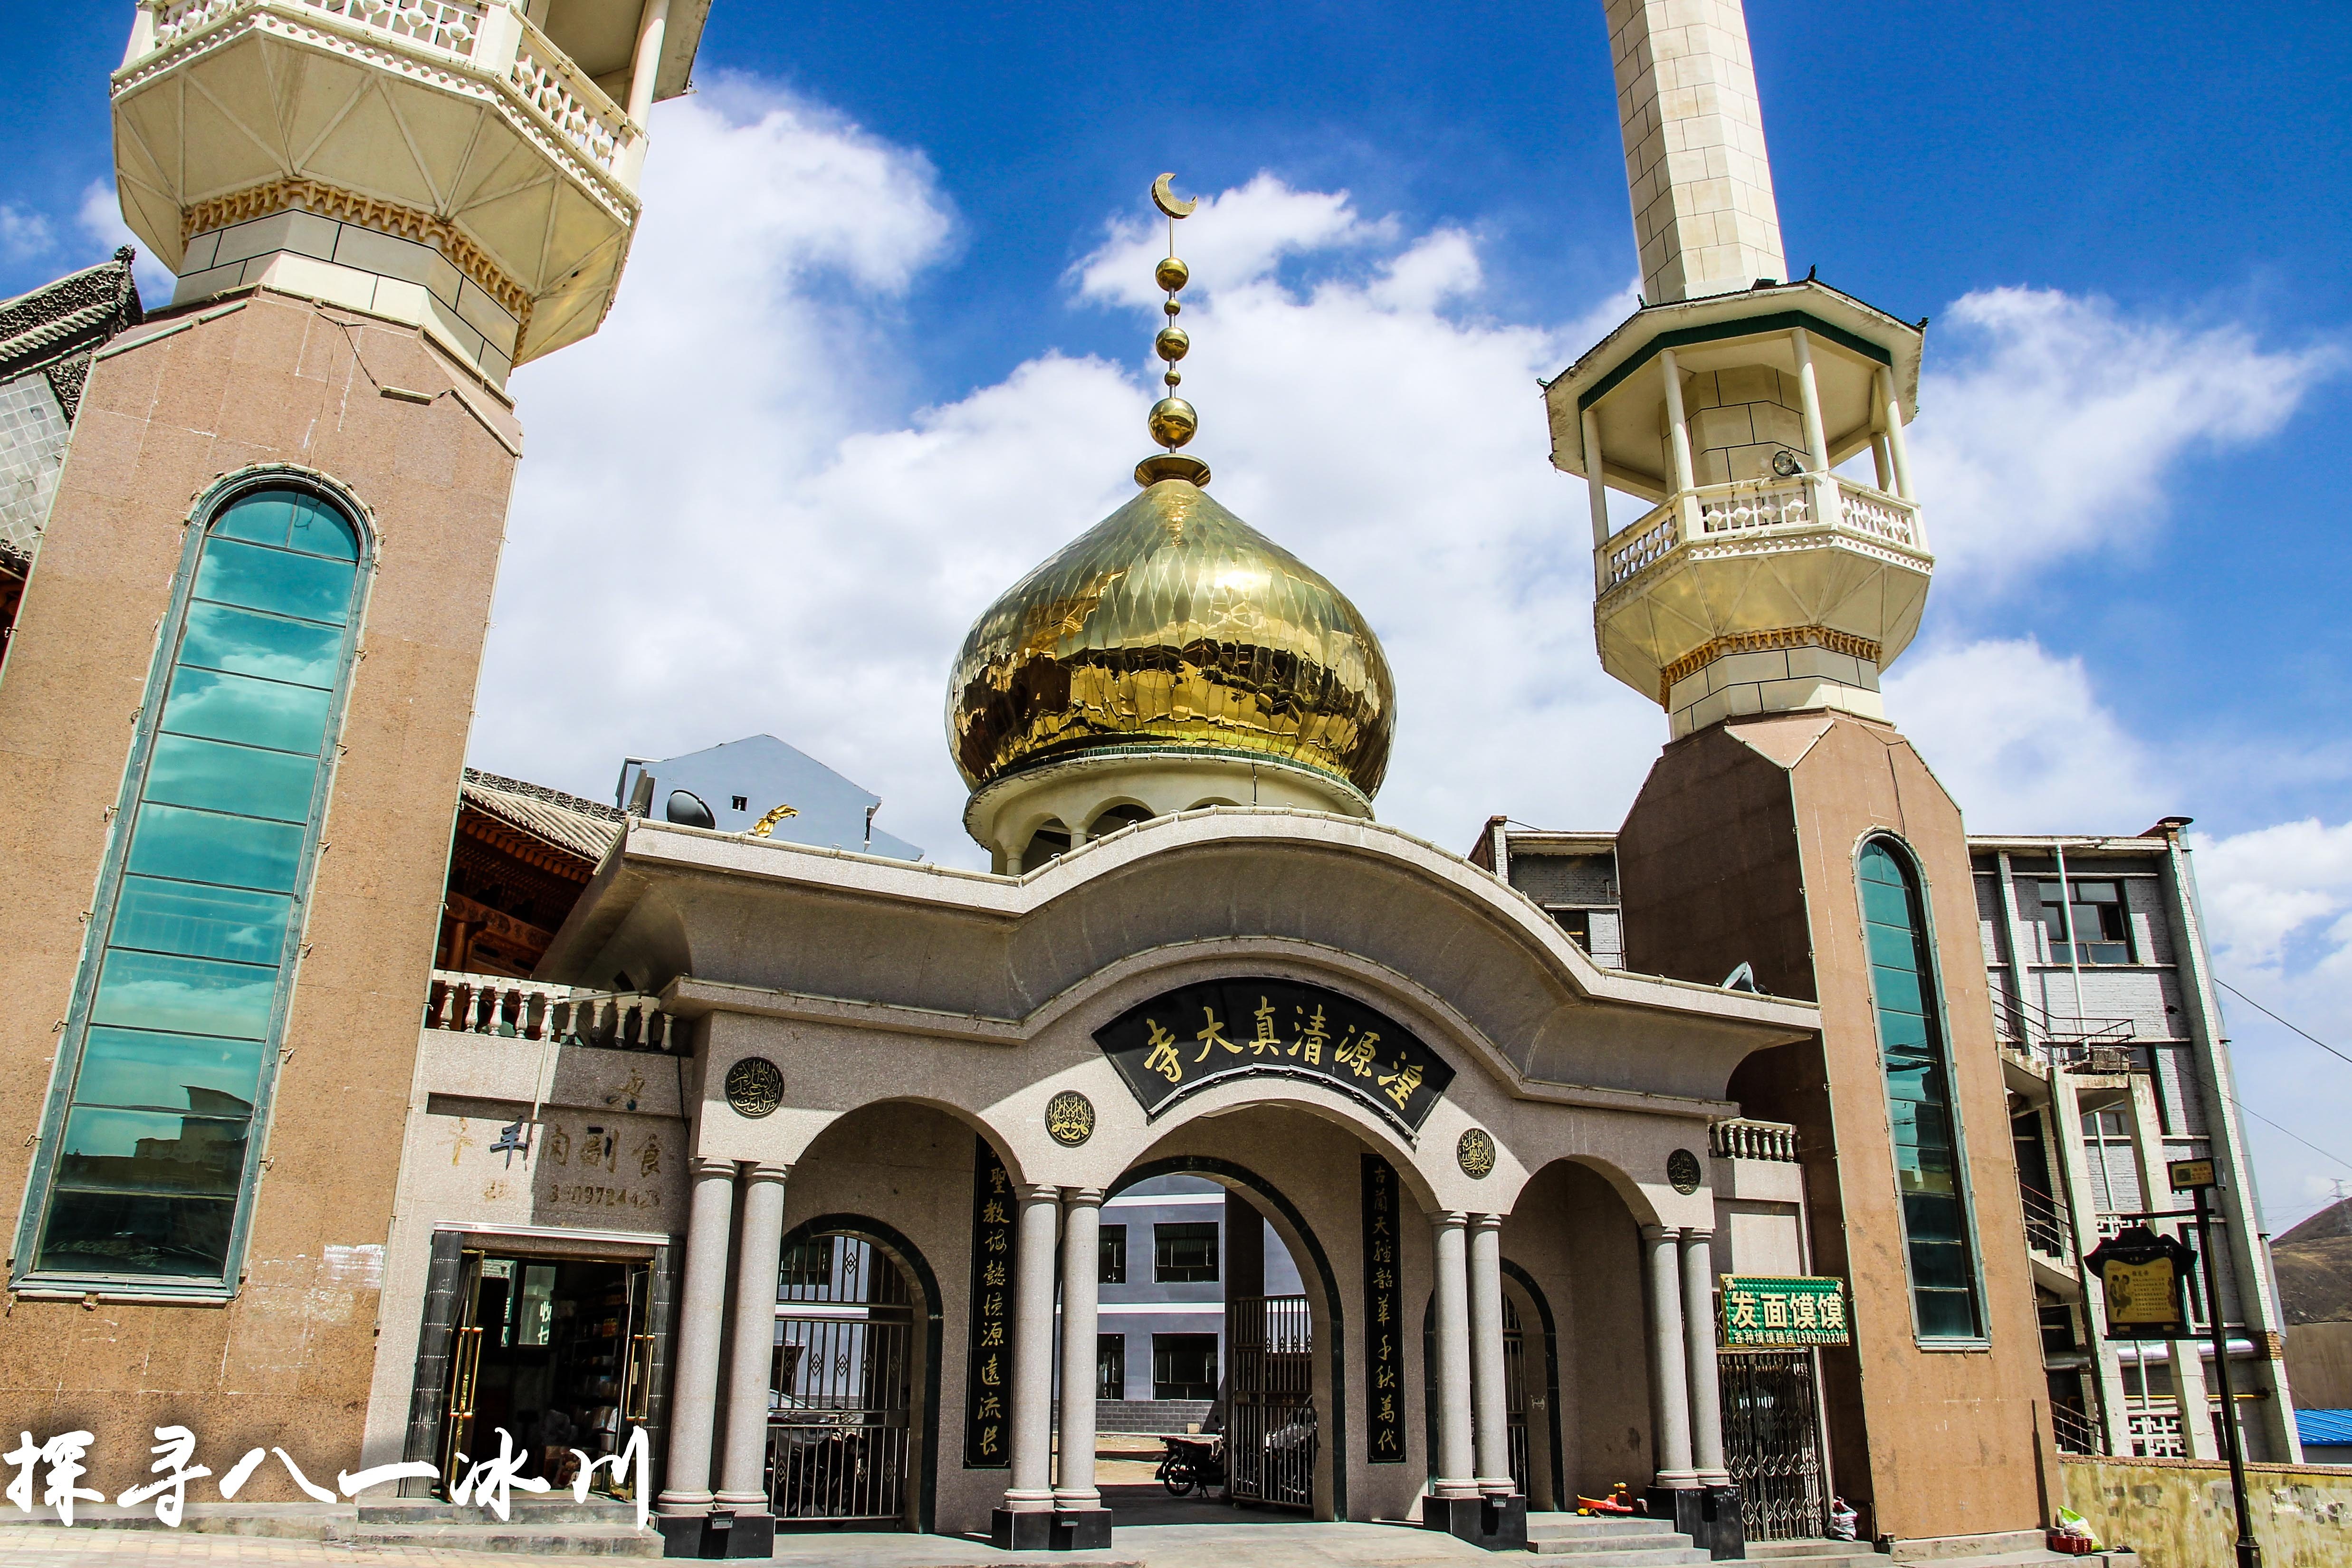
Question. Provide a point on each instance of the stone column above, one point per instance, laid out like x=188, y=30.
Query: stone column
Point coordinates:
x=694, y=1388
x=1032, y=1412
x=1456, y=1476
x=1698, y=1334
x=1596, y=483
x=1490, y=1406
x=1074, y=1486
x=743, y=1462
x=1669, y=1381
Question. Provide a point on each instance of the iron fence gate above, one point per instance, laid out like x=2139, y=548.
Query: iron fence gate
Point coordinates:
x=838, y=1432
x=1771, y=1442
x=1270, y=1427
x=1514, y=1395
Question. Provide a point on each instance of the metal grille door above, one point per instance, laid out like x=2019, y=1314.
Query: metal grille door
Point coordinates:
x=1270, y=1431
x=1771, y=1442
x=838, y=1427
x=1514, y=1395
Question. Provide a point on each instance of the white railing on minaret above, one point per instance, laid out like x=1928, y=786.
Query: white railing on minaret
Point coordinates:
x=1703, y=213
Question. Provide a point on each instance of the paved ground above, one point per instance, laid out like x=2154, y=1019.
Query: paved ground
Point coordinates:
x=1260, y=1545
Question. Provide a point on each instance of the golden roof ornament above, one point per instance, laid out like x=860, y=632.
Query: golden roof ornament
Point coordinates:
x=1172, y=421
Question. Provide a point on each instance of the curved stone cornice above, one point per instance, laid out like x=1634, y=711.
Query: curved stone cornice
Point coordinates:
x=989, y=955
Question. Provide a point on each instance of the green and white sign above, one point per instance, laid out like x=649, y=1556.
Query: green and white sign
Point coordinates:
x=1778, y=1312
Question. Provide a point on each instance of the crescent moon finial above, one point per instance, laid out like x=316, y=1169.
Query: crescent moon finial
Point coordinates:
x=1164, y=198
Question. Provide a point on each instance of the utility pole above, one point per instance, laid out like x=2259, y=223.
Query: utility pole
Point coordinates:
x=2196, y=1176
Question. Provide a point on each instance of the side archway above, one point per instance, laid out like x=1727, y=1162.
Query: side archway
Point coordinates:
x=917, y=1271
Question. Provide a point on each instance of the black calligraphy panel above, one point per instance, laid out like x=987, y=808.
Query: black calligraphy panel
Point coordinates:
x=988, y=1369
x=1383, y=1316
x=1186, y=1039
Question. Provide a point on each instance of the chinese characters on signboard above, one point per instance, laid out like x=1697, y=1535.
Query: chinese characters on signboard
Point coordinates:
x=1782, y=1311
x=2143, y=1278
x=1167, y=1047
x=1383, y=1315
x=988, y=1369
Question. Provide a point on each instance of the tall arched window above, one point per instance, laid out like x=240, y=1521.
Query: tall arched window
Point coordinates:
x=148, y=1157
x=1939, y=1240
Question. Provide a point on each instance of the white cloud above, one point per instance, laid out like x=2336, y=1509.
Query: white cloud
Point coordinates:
x=1235, y=237
x=2049, y=423
x=2278, y=904
x=22, y=235
x=2019, y=738
x=99, y=217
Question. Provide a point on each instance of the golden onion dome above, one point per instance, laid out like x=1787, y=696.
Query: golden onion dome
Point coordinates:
x=1172, y=624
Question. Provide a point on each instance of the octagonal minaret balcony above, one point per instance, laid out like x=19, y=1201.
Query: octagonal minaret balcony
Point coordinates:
x=469, y=166
x=1760, y=579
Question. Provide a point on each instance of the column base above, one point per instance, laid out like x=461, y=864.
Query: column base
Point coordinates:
x=1081, y=1529
x=1497, y=1523
x=716, y=1534
x=1030, y=1530
x=1709, y=1515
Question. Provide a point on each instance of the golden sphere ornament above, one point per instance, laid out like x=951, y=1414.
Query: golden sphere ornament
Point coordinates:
x=1172, y=274
x=1172, y=307
x=1173, y=422
x=1174, y=379
x=1172, y=343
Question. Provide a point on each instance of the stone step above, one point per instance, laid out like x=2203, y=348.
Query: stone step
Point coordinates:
x=1609, y=1554
x=1817, y=1552
x=520, y=1537
x=1576, y=1524
x=1628, y=1540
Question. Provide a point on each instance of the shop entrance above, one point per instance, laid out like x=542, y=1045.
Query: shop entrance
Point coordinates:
x=556, y=1352
x=840, y=1433
x=1773, y=1444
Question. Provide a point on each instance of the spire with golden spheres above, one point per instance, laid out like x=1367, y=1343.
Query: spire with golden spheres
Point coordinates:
x=1170, y=657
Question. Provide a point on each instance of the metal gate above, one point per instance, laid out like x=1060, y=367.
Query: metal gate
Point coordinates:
x=1514, y=1395
x=838, y=1428
x=1270, y=1429
x=1771, y=1442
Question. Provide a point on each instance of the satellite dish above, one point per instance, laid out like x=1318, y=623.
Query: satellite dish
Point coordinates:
x=687, y=810
x=1741, y=979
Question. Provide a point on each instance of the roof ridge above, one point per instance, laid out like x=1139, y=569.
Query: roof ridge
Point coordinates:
x=548, y=794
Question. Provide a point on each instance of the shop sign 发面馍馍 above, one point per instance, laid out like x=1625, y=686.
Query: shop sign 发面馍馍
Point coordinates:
x=1782, y=1311
x=1219, y=1029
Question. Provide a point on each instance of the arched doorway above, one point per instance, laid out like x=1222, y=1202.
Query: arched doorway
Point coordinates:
x=852, y=1437
x=1283, y=1415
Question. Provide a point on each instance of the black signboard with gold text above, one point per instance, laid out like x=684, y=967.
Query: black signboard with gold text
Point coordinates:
x=2143, y=1278
x=1384, y=1316
x=988, y=1369
x=1188, y=1038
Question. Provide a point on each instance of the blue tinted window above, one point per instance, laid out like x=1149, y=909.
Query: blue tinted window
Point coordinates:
x=1939, y=1246
x=184, y=999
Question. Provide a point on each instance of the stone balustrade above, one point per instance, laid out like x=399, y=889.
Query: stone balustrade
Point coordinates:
x=530, y=1010
x=1741, y=1138
x=1717, y=514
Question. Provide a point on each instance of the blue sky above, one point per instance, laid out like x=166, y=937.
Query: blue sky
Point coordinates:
x=880, y=266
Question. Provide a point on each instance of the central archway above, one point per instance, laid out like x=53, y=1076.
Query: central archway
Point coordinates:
x=1229, y=1173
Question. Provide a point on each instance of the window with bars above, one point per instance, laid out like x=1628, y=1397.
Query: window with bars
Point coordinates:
x=149, y=1156
x=1111, y=1250
x=2084, y=921
x=1915, y=1055
x=1183, y=1366
x=1184, y=1254
x=1110, y=1366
